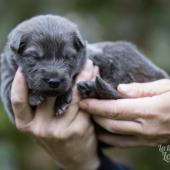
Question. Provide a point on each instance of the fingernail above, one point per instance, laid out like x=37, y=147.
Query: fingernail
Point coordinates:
x=124, y=87
x=83, y=105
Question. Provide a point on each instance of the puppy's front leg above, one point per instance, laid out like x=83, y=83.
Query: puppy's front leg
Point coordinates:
x=98, y=89
x=35, y=99
x=62, y=103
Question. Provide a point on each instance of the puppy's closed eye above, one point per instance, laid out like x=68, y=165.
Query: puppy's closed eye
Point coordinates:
x=32, y=52
x=70, y=54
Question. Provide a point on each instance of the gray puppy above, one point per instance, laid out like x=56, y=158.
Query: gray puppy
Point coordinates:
x=51, y=52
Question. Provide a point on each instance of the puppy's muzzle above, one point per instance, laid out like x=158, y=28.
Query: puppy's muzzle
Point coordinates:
x=54, y=82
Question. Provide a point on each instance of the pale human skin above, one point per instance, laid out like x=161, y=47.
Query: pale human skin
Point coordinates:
x=70, y=138
x=141, y=120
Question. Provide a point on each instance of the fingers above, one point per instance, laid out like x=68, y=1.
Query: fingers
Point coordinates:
x=68, y=117
x=127, y=109
x=22, y=111
x=68, y=126
x=85, y=74
x=120, y=140
x=127, y=140
x=19, y=100
x=46, y=109
x=81, y=125
x=145, y=89
x=89, y=72
x=119, y=127
x=95, y=73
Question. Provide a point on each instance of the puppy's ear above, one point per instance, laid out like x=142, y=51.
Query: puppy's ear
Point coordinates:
x=17, y=43
x=79, y=43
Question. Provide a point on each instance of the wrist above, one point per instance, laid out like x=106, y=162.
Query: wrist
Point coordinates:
x=90, y=165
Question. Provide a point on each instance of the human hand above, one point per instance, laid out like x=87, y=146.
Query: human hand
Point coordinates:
x=141, y=120
x=69, y=138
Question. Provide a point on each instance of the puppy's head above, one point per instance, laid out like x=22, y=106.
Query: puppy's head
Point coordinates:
x=50, y=52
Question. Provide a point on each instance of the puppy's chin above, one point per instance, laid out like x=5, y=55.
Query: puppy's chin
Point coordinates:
x=51, y=93
x=46, y=91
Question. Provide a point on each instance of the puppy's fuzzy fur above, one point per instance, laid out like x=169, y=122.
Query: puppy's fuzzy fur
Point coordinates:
x=51, y=48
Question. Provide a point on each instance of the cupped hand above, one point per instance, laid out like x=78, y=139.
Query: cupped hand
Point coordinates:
x=141, y=120
x=69, y=138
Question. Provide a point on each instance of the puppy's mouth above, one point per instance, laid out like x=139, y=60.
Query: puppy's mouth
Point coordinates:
x=50, y=88
x=50, y=93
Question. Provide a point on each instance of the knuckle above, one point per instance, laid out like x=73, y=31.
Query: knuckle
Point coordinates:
x=150, y=133
x=17, y=101
x=59, y=135
x=22, y=128
x=140, y=90
x=19, y=126
x=114, y=108
x=112, y=127
x=114, y=111
x=39, y=132
x=151, y=116
x=79, y=131
x=134, y=84
x=164, y=120
x=161, y=105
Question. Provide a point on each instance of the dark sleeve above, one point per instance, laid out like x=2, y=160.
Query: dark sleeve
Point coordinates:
x=108, y=164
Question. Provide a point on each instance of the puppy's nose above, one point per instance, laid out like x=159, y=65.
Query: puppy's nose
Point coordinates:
x=54, y=83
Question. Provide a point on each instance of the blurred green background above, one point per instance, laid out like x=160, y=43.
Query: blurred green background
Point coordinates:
x=143, y=22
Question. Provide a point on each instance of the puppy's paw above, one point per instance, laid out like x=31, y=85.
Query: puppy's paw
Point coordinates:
x=62, y=109
x=87, y=89
x=62, y=104
x=35, y=100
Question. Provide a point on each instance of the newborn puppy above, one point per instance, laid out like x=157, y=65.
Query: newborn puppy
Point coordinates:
x=51, y=52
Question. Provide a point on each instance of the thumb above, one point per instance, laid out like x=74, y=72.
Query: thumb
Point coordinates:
x=145, y=89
